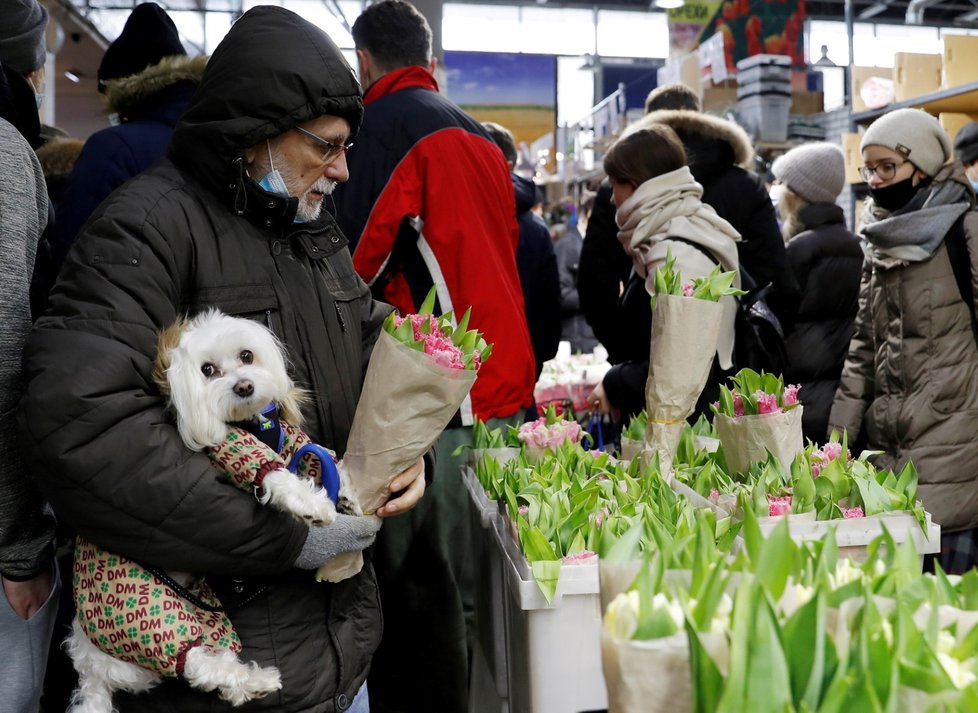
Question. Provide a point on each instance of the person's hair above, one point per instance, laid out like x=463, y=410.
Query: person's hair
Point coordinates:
x=672, y=96
x=395, y=34
x=789, y=205
x=503, y=138
x=644, y=154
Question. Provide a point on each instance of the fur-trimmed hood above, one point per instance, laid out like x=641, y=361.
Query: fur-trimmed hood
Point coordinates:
x=712, y=143
x=122, y=95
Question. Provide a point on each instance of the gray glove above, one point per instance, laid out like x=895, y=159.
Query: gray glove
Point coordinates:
x=348, y=533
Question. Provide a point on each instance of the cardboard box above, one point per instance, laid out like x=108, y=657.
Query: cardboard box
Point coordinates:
x=805, y=102
x=952, y=123
x=916, y=75
x=859, y=77
x=719, y=98
x=960, y=60
x=854, y=159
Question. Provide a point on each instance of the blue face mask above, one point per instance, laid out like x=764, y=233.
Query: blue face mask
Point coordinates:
x=273, y=181
x=974, y=184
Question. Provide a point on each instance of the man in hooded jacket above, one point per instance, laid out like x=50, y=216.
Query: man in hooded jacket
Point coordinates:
x=230, y=219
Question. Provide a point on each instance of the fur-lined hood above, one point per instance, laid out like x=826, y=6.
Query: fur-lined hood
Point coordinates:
x=127, y=92
x=700, y=127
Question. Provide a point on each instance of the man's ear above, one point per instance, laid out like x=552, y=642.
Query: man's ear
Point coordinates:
x=249, y=154
x=433, y=65
x=364, y=65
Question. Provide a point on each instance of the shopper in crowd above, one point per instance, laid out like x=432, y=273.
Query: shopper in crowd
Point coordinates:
x=231, y=219
x=718, y=152
x=659, y=211
x=430, y=202
x=826, y=260
x=147, y=80
x=535, y=258
x=22, y=54
x=966, y=151
x=910, y=383
x=574, y=328
x=28, y=595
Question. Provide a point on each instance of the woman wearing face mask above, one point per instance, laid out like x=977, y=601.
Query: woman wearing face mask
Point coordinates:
x=911, y=378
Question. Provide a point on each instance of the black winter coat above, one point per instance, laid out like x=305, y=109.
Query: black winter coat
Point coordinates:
x=539, y=277
x=827, y=261
x=194, y=232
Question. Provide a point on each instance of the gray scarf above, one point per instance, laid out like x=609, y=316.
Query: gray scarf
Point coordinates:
x=913, y=233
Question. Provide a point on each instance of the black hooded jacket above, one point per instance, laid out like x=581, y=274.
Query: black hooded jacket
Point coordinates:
x=827, y=261
x=194, y=232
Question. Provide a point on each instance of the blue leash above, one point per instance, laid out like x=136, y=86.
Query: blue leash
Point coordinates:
x=331, y=476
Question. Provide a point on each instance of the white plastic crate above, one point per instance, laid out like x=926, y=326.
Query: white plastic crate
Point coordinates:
x=765, y=116
x=554, y=650
x=489, y=594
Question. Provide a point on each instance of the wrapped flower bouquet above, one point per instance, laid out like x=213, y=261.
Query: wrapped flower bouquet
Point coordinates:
x=420, y=372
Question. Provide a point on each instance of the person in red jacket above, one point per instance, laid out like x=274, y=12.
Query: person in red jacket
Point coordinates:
x=430, y=202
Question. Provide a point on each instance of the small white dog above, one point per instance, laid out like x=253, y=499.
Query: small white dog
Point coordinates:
x=221, y=374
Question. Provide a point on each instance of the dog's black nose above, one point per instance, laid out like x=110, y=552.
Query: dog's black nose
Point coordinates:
x=244, y=388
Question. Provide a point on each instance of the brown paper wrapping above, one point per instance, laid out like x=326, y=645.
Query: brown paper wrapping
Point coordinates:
x=685, y=332
x=654, y=676
x=406, y=402
x=747, y=439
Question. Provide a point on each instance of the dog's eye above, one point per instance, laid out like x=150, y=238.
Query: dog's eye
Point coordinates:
x=246, y=357
x=208, y=370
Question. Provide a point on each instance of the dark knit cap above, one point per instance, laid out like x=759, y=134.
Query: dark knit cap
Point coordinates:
x=966, y=143
x=22, y=25
x=148, y=37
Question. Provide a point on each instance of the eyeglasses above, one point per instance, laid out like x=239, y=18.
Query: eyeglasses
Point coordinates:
x=884, y=170
x=329, y=150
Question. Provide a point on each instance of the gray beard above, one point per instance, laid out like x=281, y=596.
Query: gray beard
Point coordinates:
x=309, y=209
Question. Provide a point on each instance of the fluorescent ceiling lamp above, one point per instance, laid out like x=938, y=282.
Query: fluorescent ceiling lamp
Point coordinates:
x=970, y=16
x=669, y=4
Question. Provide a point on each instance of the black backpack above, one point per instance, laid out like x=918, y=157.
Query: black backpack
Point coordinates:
x=758, y=337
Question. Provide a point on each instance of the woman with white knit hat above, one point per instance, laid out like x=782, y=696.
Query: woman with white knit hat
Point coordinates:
x=910, y=384
x=826, y=260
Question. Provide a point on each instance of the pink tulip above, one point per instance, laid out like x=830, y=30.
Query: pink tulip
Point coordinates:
x=850, y=513
x=778, y=506
x=766, y=403
x=738, y=402
x=714, y=495
x=523, y=510
x=791, y=394
x=687, y=289
x=832, y=450
x=580, y=557
x=816, y=469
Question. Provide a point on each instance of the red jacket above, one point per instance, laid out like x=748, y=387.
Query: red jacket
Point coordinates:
x=417, y=155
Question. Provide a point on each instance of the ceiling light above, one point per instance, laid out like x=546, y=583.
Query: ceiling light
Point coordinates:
x=967, y=17
x=71, y=76
x=669, y=4
x=873, y=10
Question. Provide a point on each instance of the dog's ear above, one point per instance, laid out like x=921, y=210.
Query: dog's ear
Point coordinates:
x=291, y=405
x=168, y=340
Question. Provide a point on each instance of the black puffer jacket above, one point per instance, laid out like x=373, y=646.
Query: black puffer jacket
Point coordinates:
x=193, y=232
x=827, y=260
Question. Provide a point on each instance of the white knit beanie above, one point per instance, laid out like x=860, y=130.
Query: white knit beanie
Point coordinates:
x=915, y=135
x=816, y=171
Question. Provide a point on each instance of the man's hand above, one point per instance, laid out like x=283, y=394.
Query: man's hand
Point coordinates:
x=27, y=597
x=410, y=484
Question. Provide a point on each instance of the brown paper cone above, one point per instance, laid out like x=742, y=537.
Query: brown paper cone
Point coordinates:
x=685, y=332
x=747, y=439
x=406, y=402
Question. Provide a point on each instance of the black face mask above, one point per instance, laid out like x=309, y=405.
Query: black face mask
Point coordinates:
x=896, y=195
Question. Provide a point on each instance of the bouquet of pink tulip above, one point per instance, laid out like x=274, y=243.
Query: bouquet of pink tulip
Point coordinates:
x=757, y=416
x=550, y=431
x=420, y=372
x=686, y=319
